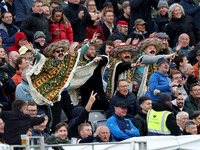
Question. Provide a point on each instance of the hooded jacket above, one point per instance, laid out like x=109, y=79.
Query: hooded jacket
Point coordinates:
x=16, y=46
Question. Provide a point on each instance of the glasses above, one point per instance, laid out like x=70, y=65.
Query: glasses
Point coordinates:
x=196, y=90
x=58, y=51
x=8, y=17
x=124, y=86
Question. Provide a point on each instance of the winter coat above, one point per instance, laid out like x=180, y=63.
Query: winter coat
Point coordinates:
x=78, y=25
x=183, y=25
x=130, y=100
x=16, y=46
x=9, y=69
x=65, y=33
x=171, y=120
x=192, y=9
x=106, y=30
x=140, y=122
x=137, y=34
x=160, y=82
x=142, y=9
x=162, y=22
x=190, y=105
x=40, y=23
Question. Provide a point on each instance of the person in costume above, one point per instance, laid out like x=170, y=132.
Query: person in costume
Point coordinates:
x=51, y=77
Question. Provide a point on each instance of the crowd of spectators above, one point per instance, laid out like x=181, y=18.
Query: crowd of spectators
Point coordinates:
x=136, y=60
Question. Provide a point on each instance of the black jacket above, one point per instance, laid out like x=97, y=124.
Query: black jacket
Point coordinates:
x=79, y=115
x=177, y=110
x=106, y=31
x=162, y=22
x=140, y=122
x=9, y=69
x=183, y=25
x=171, y=121
x=78, y=26
x=130, y=100
x=35, y=22
x=17, y=123
x=142, y=9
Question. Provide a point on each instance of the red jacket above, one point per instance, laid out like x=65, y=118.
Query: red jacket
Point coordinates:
x=91, y=29
x=65, y=34
x=16, y=47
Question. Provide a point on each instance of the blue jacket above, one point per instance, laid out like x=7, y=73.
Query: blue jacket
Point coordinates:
x=36, y=133
x=23, y=92
x=183, y=50
x=161, y=82
x=121, y=129
x=192, y=9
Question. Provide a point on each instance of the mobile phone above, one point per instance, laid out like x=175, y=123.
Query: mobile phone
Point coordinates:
x=57, y=29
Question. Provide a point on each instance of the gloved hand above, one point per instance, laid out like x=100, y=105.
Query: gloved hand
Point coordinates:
x=5, y=79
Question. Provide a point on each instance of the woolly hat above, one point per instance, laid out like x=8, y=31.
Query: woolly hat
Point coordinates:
x=38, y=34
x=162, y=3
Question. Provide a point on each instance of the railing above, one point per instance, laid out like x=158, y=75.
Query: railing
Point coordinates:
x=134, y=145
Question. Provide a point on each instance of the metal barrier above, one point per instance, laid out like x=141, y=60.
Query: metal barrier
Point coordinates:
x=134, y=145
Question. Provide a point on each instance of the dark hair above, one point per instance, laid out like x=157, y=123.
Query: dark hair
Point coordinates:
x=2, y=16
x=19, y=61
x=178, y=59
x=18, y=104
x=36, y=1
x=104, y=13
x=192, y=85
x=195, y=114
x=120, y=81
x=31, y=103
x=143, y=98
x=110, y=43
x=59, y=125
x=63, y=19
x=55, y=2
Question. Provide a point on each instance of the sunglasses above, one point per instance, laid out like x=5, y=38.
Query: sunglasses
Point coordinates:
x=58, y=51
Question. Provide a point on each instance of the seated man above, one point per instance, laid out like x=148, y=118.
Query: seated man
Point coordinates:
x=104, y=135
x=140, y=119
x=178, y=104
x=120, y=127
x=39, y=130
x=159, y=79
x=124, y=95
x=181, y=118
x=85, y=133
x=183, y=45
x=190, y=128
x=160, y=119
x=192, y=102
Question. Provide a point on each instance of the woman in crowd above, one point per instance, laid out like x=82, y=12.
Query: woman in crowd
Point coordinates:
x=59, y=26
x=181, y=23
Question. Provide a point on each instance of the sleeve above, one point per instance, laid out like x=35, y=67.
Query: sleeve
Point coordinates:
x=88, y=139
x=69, y=33
x=189, y=107
x=172, y=125
x=37, y=120
x=115, y=130
x=151, y=59
x=10, y=84
x=85, y=48
x=189, y=11
x=71, y=16
x=26, y=27
x=51, y=139
x=136, y=3
x=153, y=84
x=6, y=39
x=123, y=67
x=139, y=125
x=134, y=132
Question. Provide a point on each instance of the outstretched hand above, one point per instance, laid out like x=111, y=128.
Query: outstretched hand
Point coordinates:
x=92, y=97
x=95, y=36
x=29, y=45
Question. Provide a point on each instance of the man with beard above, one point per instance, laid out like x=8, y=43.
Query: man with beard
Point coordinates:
x=159, y=79
x=95, y=65
x=192, y=103
x=160, y=119
x=149, y=47
x=121, y=31
x=178, y=104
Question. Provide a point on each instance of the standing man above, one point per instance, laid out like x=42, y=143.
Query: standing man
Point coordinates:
x=120, y=127
x=160, y=119
x=79, y=17
x=40, y=23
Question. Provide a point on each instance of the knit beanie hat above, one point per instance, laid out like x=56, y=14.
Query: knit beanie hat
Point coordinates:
x=162, y=3
x=38, y=35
